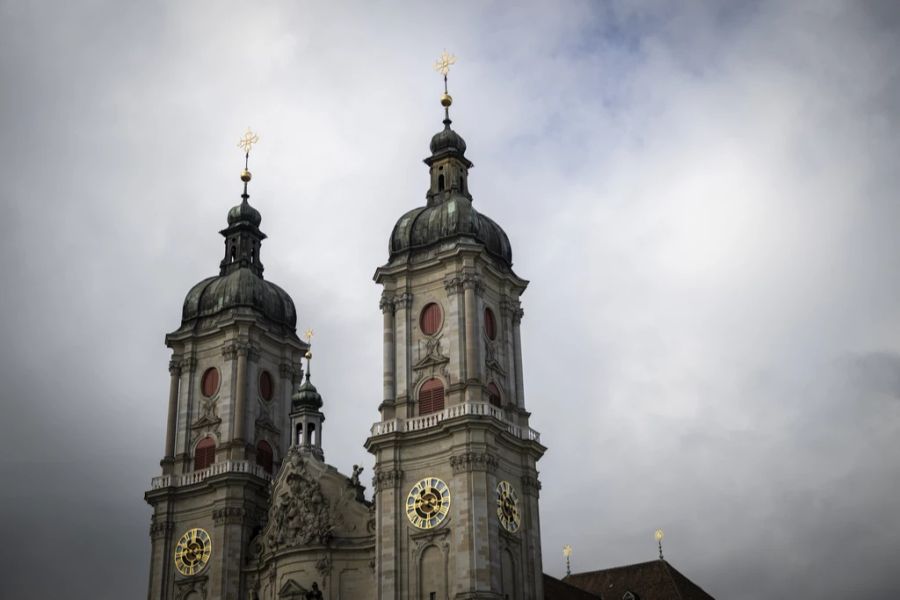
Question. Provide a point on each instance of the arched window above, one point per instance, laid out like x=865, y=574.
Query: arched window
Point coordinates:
x=264, y=456
x=311, y=434
x=431, y=397
x=209, y=383
x=440, y=183
x=265, y=385
x=490, y=323
x=204, y=453
x=298, y=435
x=494, y=396
x=430, y=321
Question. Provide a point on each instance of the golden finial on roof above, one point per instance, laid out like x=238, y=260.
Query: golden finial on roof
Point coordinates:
x=659, y=538
x=245, y=144
x=567, y=552
x=309, y=336
x=442, y=66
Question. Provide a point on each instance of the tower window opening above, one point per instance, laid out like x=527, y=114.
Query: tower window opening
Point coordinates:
x=441, y=183
x=252, y=256
x=298, y=434
x=494, y=396
x=431, y=397
x=233, y=252
x=204, y=453
x=310, y=434
x=264, y=456
x=490, y=324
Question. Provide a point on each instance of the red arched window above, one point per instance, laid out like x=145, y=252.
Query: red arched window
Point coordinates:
x=264, y=456
x=431, y=397
x=494, y=396
x=490, y=324
x=430, y=321
x=205, y=453
x=266, y=385
x=209, y=384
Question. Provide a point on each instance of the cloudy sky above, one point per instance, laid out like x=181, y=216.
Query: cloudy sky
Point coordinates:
x=704, y=199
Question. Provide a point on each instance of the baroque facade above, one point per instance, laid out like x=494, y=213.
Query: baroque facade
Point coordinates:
x=247, y=507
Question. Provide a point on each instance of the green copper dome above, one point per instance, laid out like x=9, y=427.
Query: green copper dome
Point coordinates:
x=455, y=217
x=241, y=288
x=306, y=396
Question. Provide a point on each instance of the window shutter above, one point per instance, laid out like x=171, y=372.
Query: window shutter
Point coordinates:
x=205, y=454
x=431, y=397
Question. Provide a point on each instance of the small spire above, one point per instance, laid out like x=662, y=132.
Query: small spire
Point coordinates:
x=659, y=538
x=567, y=552
x=442, y=66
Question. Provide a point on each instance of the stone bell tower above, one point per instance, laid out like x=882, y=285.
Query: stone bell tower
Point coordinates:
x=455, y=460
x=231, y=376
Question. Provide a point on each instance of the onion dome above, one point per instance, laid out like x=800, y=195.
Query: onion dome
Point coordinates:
x=446, y=141
x=240, y=283
x=306, y=396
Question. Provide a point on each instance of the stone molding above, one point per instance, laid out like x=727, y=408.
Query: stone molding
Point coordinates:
x=404, y=300
x=234, y=349
x=387, y=479
x=517, y=316
x=230, y=515
x=175, y=366
x=453, y=284
x=287, y=371
x=189, y=364
x=195, y=584
x=474, y=461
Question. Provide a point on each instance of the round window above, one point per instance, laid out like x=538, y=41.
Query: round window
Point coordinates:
x=430, y=321
x=209, y=383
x=266, y=385
x=490, y=324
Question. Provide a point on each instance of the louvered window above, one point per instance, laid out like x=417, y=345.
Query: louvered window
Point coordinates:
x=430, y=321
x=205, y=453
x=431, y=397
x=209, y=384
x=264, y=457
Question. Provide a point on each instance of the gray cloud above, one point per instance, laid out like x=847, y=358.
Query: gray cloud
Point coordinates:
x=704, y=200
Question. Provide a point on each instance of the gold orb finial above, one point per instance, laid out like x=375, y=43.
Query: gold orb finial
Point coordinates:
x=246, y=176
x=446, y=100
x=308, y=354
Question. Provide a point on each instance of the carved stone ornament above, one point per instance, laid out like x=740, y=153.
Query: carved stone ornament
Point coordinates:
x=387, y=479
x=386, y=304
x=490, y=360
x=432, y=355
x=453, y=284
x=287, y=371
x=160, y=529
x=230, y=515
x=300, y=514
x=323, y=566
x=189, y=364
x=531, y=485
x=175, y=365
x=473, y=461
x=405, y=300
x=196, y=585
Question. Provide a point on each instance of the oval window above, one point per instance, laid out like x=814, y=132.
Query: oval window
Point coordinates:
x=490, y=324
x=209, y=383
x=265, y=385
x=430, y=321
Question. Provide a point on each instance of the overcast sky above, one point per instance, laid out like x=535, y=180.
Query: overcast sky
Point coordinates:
x=704, y=200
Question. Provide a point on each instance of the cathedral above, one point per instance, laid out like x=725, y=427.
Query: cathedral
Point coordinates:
x=246, y=506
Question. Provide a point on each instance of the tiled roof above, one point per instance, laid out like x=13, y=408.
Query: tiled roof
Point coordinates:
x=554, y=589
x=655, y=580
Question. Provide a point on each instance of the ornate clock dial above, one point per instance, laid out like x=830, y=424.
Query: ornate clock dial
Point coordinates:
x=508, y=506
x=192, y=551
x=428, y=503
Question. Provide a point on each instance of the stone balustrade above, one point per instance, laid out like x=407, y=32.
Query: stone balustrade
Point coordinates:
x=218, y=468
x=428, y=421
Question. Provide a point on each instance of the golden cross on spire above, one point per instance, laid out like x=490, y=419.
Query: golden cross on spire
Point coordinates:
x=246, y=142
x=442, y=64
x=309, y=335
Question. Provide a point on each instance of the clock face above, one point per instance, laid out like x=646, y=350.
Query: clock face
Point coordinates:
x=508, y=506
x=428, y=503
x=192, y=551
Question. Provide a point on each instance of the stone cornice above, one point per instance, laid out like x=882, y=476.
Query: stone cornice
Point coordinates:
x=388, y=479
x=474, y=461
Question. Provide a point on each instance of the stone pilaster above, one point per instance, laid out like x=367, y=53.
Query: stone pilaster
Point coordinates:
x=172, y=416
x=387, y=309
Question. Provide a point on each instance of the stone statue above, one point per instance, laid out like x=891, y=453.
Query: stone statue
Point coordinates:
x=354, y=479
x=315, y=593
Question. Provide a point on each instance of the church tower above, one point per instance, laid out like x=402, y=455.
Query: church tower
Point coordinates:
x=232, y=373
x=456, y=487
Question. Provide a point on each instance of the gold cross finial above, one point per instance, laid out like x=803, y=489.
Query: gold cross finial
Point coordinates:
x=309, y=335
x=567, y=550
x=442, y=64
x=246, y=142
